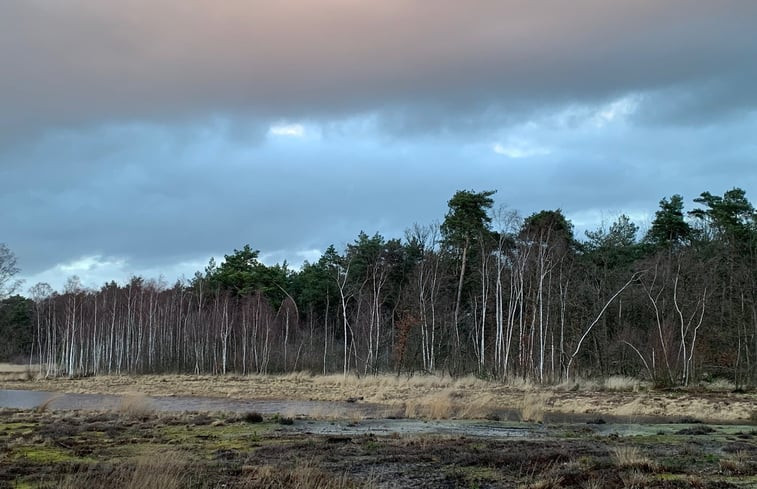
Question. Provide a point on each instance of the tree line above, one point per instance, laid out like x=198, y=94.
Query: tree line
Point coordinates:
x=485, y=291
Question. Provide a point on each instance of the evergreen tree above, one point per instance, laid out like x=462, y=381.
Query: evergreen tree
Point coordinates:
x=669, y=227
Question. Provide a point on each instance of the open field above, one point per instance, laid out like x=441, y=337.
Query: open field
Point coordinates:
x=429, y=396
x=137, y=449
x=14, y=372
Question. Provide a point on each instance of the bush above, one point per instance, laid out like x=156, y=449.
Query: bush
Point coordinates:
x=253, y=417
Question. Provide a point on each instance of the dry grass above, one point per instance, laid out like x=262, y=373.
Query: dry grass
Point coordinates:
x=451, y=403
x=532, y=407
x=378, y=386
x=398, y=394
x=594, y=484
x=304, y=476
x=548, y=482
x=169, y=471
x=718, y=385
x=622, y=383
x=440, y=405
x=614, y=383
x=548, y=478
x=580, y=385
x=135, y=404
x=738, y=463
x=635, y=480
x=44, y=406
x=479, y=406
x=630, y=457
x=327, y=413
x=13, y=368
x=521, y=384
x=12, y=372
x=634, y=407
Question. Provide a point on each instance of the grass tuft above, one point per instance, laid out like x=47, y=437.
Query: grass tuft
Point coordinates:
x=739, y=463
x=169, y=471
x=599, y=483
x=304, y=476
x=630, y=457
x=635, y=480
x=135, y=405
x=532, y=407
x=45, y=405
x=438, y=405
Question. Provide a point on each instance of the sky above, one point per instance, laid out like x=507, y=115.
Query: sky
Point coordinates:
x=143, y=137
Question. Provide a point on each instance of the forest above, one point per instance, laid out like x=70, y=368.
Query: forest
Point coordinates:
x=484, y=292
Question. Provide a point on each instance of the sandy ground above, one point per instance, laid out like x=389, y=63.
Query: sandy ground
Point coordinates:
x=421, y=394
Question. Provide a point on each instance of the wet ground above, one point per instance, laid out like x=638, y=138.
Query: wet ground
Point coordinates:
x=28, y=399
x=137, y=447
x=352, y=409
x=469, y=397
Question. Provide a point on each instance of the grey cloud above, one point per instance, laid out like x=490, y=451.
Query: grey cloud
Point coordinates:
x=85, y=61
x=705, y=103
x=154, y=197
x=149, y=118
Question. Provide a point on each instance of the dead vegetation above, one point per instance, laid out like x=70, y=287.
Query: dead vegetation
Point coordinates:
x=10, y=372
x=450, y=404
x=533, y=407
x=205, y=450
x=740, y=463
x=301, y=476
x=168, y=471
x=429, y=395
x=632, y=457
x=135, y=404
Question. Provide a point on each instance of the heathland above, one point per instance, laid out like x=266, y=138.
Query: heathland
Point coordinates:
x=412, y=431
x=707, y=438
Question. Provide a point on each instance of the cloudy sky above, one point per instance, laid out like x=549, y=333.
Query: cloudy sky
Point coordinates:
x=145, y=136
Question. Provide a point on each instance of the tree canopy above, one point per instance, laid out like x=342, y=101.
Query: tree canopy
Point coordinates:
x=524, y=298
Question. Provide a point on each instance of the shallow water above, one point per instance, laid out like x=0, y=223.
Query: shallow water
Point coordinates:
x=369, y=418
x=27, y=399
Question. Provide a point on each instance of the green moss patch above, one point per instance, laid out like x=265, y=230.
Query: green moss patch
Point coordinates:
x=44, y=455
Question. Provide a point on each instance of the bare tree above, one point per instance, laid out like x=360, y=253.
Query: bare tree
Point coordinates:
x=572, y=357
x=8, y=270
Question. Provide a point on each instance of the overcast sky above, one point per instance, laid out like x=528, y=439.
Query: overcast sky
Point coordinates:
x=145, y=136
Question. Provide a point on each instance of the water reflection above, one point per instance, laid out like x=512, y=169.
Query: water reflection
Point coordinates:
x=24, y=399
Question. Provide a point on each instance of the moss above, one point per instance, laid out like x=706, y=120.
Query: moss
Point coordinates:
x=44, y=455
x=16, y=426
x=742, y=480
x=208, y=440
x=475, y=474
x=23, y=485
